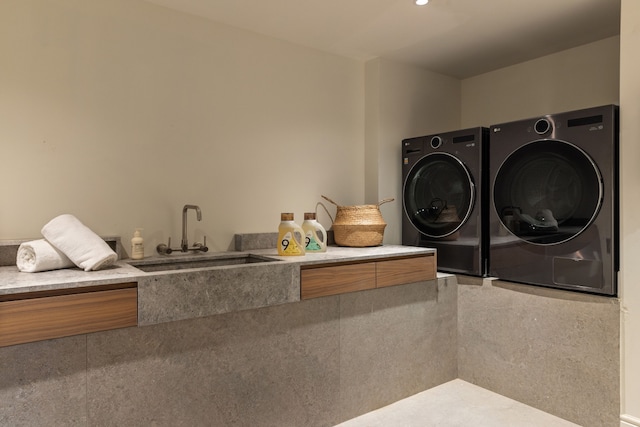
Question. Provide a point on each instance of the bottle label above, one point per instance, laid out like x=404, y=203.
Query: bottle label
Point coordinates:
x=288, y=245
x=137, y=251
x=311, y=243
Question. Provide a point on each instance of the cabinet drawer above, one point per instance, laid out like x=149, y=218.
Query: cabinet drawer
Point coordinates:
x=41, y=318
x=324, y=281
x=403, y=271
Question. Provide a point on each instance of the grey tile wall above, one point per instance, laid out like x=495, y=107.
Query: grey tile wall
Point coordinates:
x=554, y=350
x=311, y=363
x=44, y=383
x=396, y=342
x=270, y=367
x=322, y=361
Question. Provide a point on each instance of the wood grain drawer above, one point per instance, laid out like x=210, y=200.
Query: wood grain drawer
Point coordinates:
x=339, y=279
x=324, y=280
x=45, y=317
x=403, y=271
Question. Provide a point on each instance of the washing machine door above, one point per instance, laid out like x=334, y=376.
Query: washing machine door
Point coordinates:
x=439, y=194
x=547, y=192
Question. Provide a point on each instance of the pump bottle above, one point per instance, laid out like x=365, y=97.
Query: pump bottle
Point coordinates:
x=137, y=245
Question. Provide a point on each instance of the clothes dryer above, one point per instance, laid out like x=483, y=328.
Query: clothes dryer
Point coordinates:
x=444, y=192
x=554, y=200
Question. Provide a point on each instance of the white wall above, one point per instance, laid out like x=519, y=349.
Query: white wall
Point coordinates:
x=403, y=101
x=582, y=77
x=121, y=112
x=630, y=206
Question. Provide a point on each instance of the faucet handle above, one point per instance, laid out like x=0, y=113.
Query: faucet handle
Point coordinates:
x=202, y=247
x=164, y=249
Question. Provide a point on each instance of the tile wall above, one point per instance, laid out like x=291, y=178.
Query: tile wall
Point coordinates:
x=555, y=350
x=313, y=363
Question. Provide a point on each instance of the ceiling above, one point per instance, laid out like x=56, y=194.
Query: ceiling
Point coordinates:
x=460, y=38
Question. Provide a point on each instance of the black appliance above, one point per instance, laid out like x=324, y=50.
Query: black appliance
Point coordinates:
x=444, y=192
x=554, y=200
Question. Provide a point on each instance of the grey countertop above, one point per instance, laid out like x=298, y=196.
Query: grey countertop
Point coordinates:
x=196, y=289
x=13, y=281
x=344, y=254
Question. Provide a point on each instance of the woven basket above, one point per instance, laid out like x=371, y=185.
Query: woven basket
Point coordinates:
x=358, y=226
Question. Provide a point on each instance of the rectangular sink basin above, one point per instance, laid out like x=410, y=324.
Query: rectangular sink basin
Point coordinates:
x=170, y=264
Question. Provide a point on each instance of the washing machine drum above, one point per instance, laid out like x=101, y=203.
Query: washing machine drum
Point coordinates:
x=438, y=195
x=547, y=192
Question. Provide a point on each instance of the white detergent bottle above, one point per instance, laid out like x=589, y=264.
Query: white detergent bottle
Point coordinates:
x=314, y=233
x=290, y=236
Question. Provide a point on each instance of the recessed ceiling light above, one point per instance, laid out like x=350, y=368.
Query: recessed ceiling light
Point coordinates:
x=421, y=2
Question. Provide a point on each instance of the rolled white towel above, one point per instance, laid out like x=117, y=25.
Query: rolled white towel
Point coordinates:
x=85, y=248
x=40, y=255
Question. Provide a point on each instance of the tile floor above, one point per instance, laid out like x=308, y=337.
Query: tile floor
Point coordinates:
x=457, y=404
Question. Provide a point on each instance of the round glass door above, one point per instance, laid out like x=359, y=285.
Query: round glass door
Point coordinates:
x=439, y=194
x=547, y=192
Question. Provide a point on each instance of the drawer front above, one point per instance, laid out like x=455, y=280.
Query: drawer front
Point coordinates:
x=403, y=271
x=44, y=318
x=324, y=281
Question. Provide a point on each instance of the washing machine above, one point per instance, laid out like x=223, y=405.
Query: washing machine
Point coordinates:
x=554, y=200
x=444, y=192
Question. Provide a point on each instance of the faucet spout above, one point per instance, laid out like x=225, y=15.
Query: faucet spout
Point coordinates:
x=184, y=244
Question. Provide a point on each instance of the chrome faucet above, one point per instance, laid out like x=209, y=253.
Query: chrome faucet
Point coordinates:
x=184, y=244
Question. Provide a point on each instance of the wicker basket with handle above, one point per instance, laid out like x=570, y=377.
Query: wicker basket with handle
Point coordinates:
x=358, y=226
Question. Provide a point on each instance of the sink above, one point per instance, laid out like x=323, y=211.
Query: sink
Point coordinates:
x=169, y=264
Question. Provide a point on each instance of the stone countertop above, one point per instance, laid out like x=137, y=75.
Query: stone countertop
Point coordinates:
x=197, y=292
x=12, y=281
x=344, y=254
x=171, y=295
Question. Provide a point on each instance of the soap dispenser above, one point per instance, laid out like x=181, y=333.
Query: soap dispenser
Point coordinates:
x=137, y=245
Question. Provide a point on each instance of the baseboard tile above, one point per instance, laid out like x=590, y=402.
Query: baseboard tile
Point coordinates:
x=629, y=421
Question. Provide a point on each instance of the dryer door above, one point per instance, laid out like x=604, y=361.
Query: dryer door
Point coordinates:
x=439, y=194
x=547, y=192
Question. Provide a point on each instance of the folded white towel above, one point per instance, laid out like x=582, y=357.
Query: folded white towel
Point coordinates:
x=85, y=248
x=40, y=255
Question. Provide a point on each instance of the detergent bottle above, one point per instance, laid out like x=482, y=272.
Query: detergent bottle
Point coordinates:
x=290, y=236
x=315, y=234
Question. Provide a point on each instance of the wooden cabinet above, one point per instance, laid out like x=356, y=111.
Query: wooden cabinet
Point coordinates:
x=403, y=271
x=337, y=279
x=45, y=315
x=333, y=279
